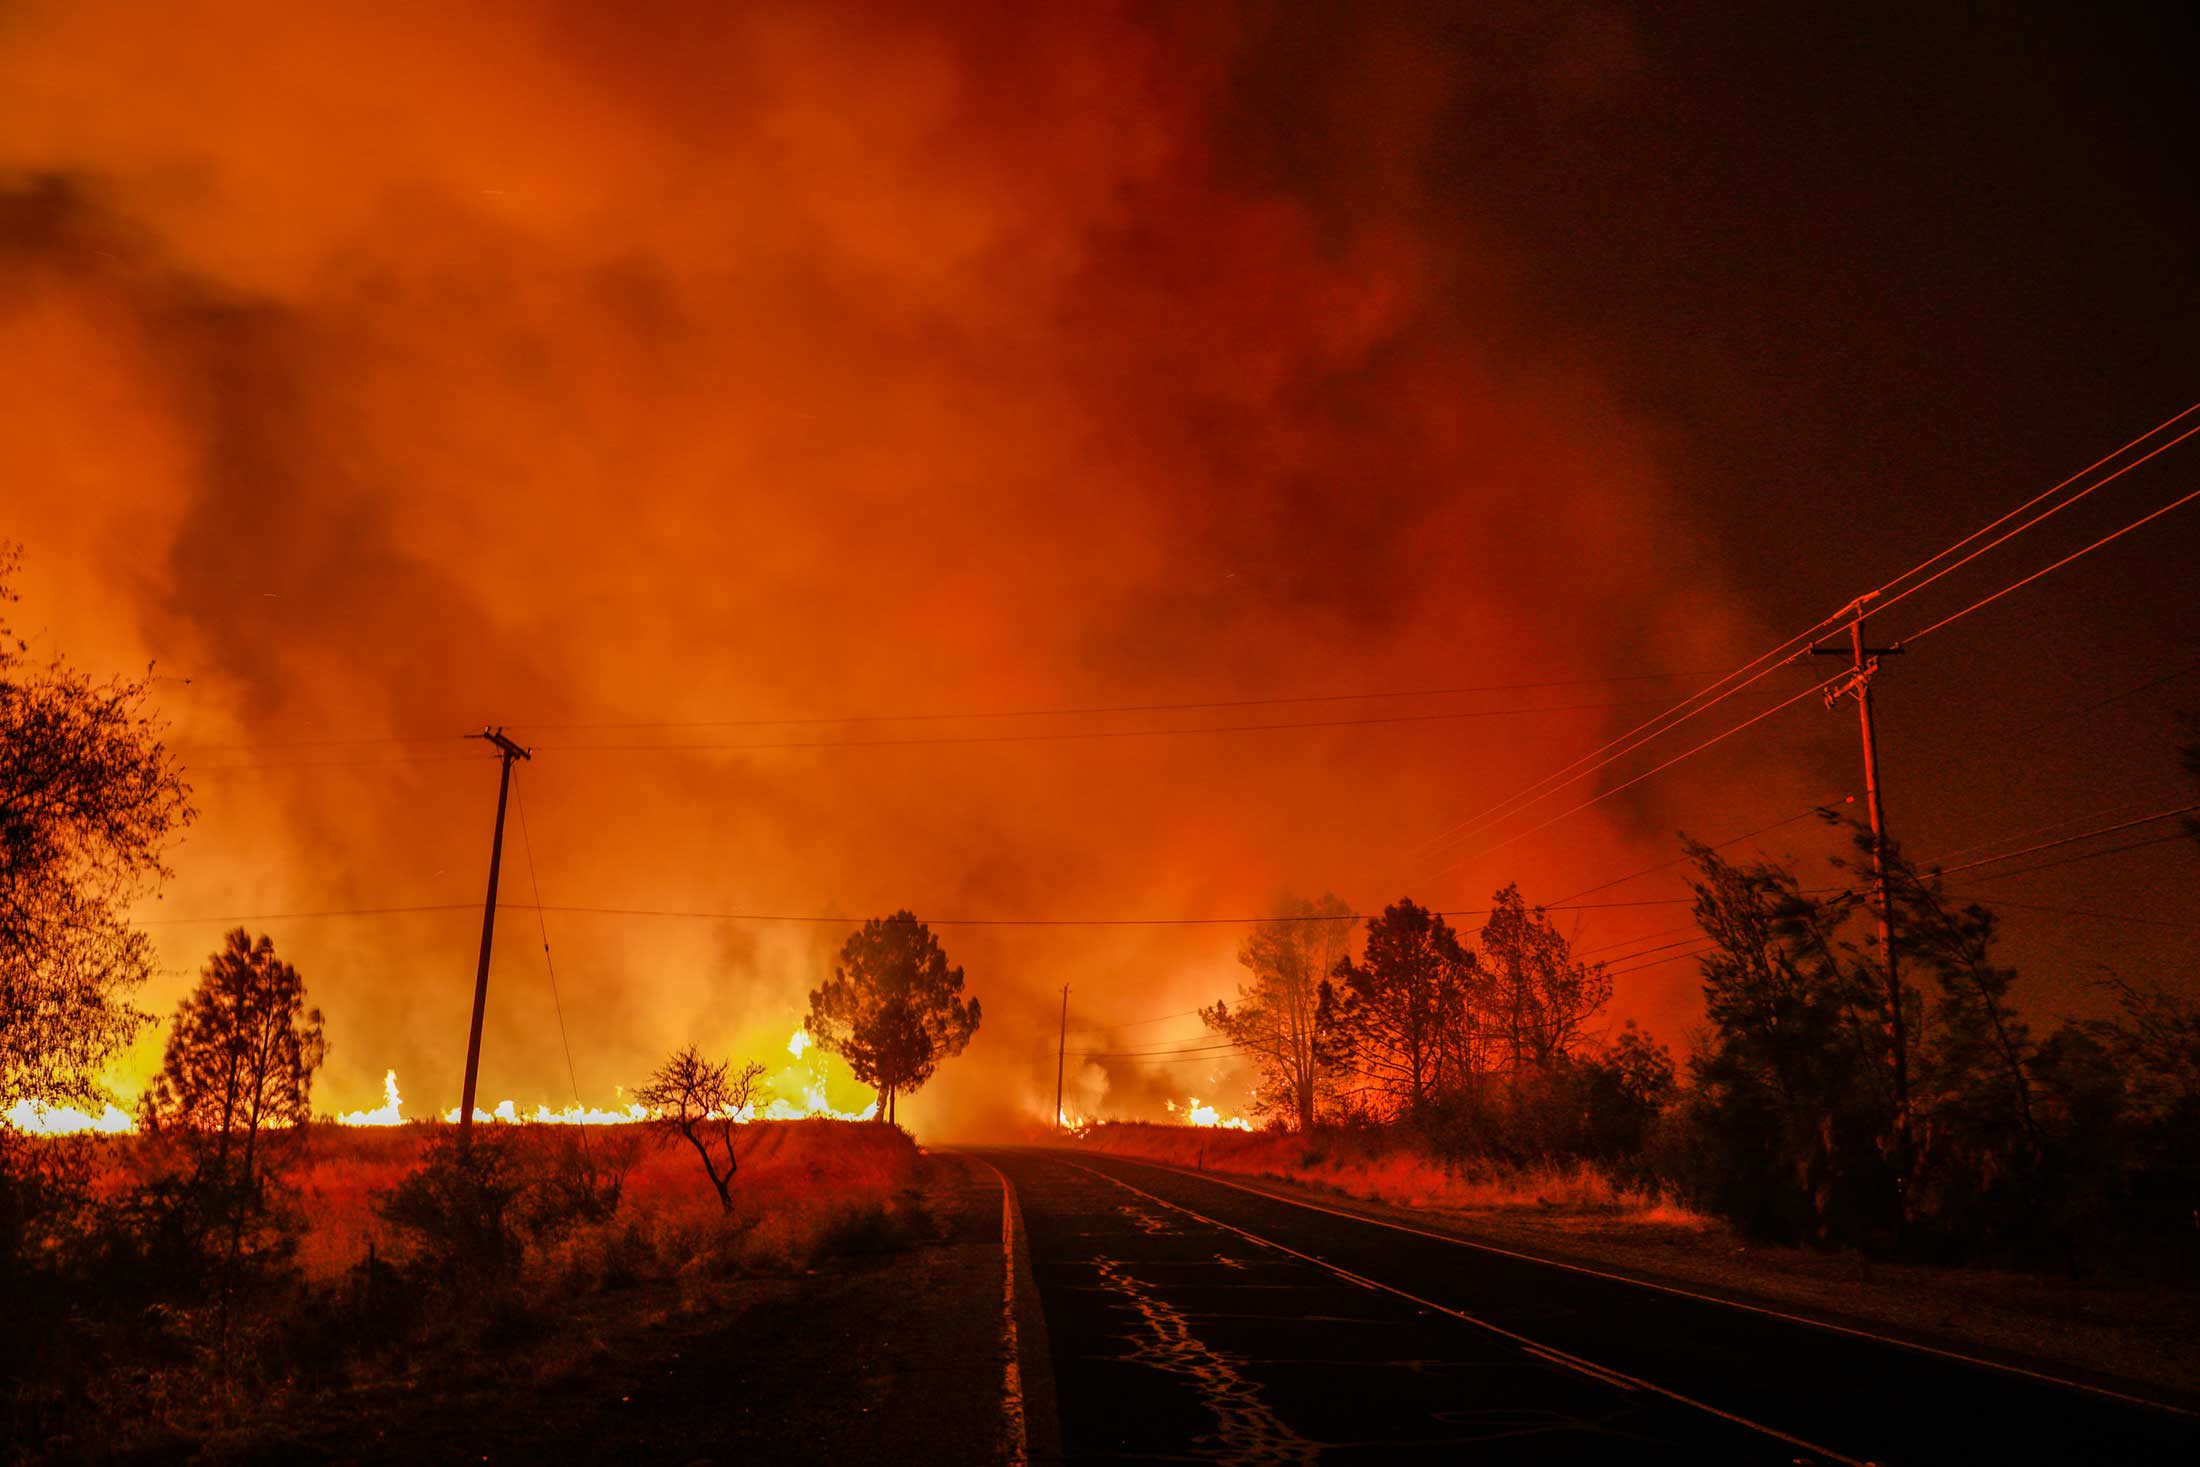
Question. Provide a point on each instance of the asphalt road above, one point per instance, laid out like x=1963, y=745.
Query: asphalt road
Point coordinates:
x=1192, y=1320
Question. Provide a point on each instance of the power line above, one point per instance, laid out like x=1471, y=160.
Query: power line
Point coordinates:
x=815, y=720
x=821, y=919
x=1073, y=735
x=2069, y=820
x=1645, y=952
x=1580, y=952
x=1163, y=1051
x=2070, y=839
x=300, y=916
x=2167, y=422
x=1192, y=1059
x=818, y=720
x=2094, y=707
x=392, y=762
x=1823, y=809
x=534, y=880
x=1683, y=711
x=1984, y=601
x=1134, y=1023
x=1689, y=753
x=1695, y=952
x=2136, y=845
x=2129, y=917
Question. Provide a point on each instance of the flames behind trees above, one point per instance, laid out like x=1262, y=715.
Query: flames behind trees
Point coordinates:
x=699, y=1101
x=893, y=1008
x=1276, y=1014
x=89, y=799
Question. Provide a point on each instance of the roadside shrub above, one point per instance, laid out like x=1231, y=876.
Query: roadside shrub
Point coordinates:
x=458, y=1211
x=579, y=1179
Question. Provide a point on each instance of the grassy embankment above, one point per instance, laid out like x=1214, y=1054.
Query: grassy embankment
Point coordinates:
x=1383, y=1168
x=362, y=1326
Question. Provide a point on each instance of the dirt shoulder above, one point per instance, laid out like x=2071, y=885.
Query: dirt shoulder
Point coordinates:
x=2142, y=1340
x=889, y=1357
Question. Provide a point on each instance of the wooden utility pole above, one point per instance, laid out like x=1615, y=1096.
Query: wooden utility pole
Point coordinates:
x=1061, y=1050
x=510, y=751
x=1863, y=664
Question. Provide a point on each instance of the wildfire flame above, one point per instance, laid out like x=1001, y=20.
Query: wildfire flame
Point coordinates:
x=805, y=1078
x=384, y=1115
x=1206, y=1115
x=36, y=1118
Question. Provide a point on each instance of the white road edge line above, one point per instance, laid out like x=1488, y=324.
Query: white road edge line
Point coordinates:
x=1016, y=1438
x=1594, y=1372
x=1534, y=1347
x=1620, y=1278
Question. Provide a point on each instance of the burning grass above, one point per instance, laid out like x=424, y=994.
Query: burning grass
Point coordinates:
x=1389, y=1167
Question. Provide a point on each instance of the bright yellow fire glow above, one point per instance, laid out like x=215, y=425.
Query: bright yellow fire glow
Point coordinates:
x=1196, y=1114
x=36, y=1118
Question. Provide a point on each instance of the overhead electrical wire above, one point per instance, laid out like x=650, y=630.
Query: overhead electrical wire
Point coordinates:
x=1695, y=952
x=821, y=919
x=814, y=720
x=1627, y=784
x=1074, y=735
x=1174, y=1051
x=1985, y=601
x=1819, y=809
x=974, y=716
x=1133, y=1023
x=2132, y=918
x=2112, y=699
x=2137, y=845
x=1789, y=650
x=1631, y=941
x=1944, y=857
x=2070, y=839
x=1049, y=737
x=542, y=925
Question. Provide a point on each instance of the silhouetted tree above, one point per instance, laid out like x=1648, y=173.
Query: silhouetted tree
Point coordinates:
x=1792, y=1096
x=89, y=796
x=1275, y=1017
x=1401, y=1017
x=1622, y=1091
x=1540, y=997
x=1979, y=1051
x=699, y=1101
x=240, y=1059
x=893, y=1008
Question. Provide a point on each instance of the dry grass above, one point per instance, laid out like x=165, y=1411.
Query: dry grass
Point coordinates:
x=795, y=1178
x=1396, y=1170
x=806, y=1192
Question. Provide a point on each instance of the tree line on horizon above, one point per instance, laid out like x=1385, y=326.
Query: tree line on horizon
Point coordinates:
x=1803, y=1111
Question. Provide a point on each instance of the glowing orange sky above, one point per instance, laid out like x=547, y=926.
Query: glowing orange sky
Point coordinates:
x=386, y=371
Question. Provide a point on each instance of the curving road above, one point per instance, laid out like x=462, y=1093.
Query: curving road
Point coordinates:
x=1192, y=1318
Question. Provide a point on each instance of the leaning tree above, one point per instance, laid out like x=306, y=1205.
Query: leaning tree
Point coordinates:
x=893, y=1008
